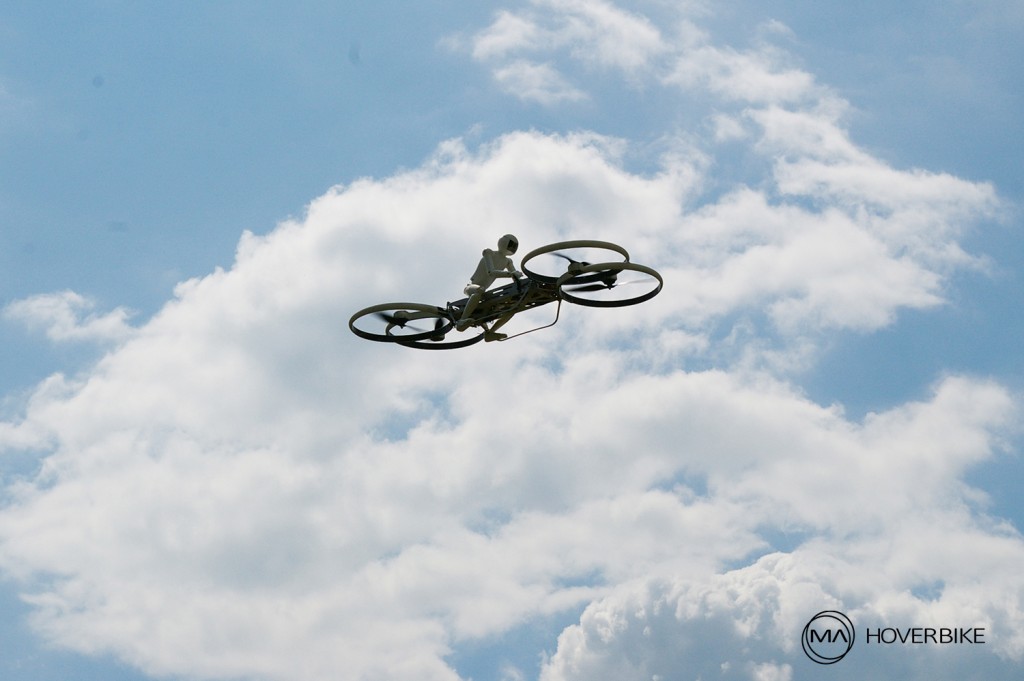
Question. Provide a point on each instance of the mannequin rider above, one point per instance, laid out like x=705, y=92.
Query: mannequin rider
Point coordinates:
x=493, y=264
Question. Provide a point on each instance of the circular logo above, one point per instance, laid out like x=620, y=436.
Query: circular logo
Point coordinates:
x=828, y=637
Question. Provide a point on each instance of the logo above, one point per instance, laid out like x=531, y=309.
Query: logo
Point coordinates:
x=828, y=637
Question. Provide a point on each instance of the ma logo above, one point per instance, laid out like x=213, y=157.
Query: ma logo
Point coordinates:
x=828, y=637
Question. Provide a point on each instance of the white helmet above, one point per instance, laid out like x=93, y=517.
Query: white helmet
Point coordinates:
x=508, y=244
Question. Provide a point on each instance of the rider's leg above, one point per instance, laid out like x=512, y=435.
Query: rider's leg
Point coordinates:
x=492, y=334
x=502, y=322
x=475, y=293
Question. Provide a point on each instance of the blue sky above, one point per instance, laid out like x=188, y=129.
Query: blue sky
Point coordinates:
x=195, y=196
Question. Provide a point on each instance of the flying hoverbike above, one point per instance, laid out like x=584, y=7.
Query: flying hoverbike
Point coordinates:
x=558, y=272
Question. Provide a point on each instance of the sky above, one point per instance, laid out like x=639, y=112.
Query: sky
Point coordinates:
x=205, y=475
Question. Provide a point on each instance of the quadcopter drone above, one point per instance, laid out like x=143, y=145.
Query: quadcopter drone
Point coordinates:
x=589, y=273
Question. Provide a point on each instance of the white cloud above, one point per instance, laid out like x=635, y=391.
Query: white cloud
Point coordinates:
x=745, y=624
x=244, y=488
x=540, y=83
x=508, y=34
x=67, y=316
x=236, y=475
x=759, y=76
x=602, y=36
x=726, y=127
x=594, y=32
x=601, y=33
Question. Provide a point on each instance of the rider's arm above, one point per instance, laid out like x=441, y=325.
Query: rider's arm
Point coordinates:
x=516, y=274
x=498, y=265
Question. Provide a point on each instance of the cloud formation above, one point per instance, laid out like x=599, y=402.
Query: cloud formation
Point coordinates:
x=243, y=488
x=67, y=316
x=598, y=34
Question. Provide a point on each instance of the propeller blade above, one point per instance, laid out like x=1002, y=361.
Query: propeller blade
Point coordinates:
x=590, y=287
x=400, y=322
x=565, y=257
x=607, y=285
x=438, y=325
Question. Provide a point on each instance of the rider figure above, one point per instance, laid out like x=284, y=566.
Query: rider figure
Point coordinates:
x=492, y=265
